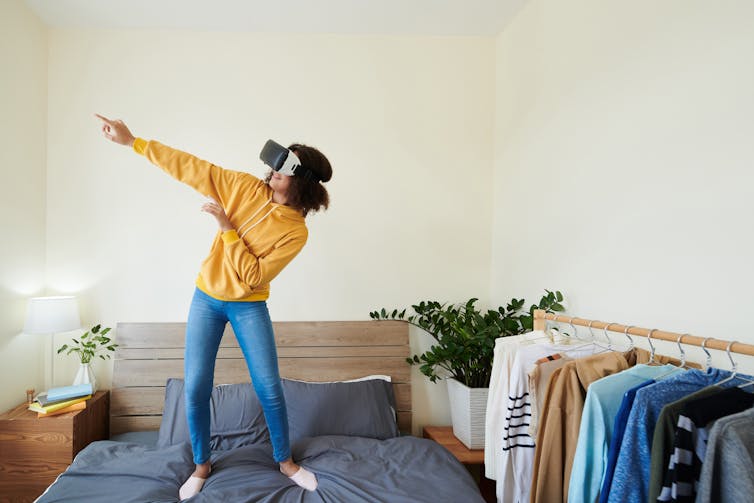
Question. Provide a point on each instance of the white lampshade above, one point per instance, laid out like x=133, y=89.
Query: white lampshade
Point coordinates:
x=50, y=315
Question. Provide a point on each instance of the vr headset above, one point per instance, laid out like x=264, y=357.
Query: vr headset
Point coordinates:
x=284, y=161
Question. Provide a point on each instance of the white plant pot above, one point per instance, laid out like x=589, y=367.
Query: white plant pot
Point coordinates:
x=468, y=407
x=85, y=375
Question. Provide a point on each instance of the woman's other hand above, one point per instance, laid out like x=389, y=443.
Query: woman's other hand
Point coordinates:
x=217, y=211
x=116, y=130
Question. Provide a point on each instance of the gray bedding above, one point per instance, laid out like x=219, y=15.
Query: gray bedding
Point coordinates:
x=148, y=438
x=349, y=469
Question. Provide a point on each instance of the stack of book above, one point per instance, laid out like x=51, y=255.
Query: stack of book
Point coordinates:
x=56, y=401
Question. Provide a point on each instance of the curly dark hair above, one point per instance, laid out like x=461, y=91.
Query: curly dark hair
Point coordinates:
x=305, y=194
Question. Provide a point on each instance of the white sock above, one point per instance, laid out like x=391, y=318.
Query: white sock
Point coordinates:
x=304, y=478
x=191, y=487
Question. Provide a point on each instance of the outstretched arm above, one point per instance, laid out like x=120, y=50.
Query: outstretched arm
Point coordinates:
x=205, y=177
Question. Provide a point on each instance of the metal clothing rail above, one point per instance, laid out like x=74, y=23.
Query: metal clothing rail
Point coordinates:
x=540, y=317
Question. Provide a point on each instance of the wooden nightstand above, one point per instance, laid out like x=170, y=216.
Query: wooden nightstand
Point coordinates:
x=472, y=458
x=33, y=451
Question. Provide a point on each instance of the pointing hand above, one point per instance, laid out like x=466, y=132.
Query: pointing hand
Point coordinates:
x=116, y=130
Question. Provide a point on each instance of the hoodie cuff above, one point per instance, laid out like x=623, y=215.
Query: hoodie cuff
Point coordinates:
x=140, y=145
x=230, y=237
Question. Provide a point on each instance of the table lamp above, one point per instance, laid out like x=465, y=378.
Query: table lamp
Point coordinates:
x=51, y=315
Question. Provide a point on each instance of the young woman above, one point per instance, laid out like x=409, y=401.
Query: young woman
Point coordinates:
x=262, y=228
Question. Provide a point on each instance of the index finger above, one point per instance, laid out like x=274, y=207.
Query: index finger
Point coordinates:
x=104, y=119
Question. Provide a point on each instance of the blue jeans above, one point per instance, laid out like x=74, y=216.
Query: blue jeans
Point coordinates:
x=253, y=328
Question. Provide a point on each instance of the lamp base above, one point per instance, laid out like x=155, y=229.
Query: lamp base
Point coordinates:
x=50, y=381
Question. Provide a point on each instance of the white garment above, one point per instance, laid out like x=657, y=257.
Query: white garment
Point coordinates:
x=516, y=457
x=496, y=399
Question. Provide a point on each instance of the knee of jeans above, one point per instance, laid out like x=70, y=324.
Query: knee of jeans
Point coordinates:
x=269, y=390
x=197, y=390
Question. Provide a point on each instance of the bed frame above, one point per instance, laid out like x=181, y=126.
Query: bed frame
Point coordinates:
x=150, y=353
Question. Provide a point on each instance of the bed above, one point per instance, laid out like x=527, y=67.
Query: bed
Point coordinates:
x=348, y=390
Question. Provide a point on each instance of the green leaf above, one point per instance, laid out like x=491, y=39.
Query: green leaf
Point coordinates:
x=465, y=336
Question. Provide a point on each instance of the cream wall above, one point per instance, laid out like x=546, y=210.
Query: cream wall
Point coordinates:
x=623, y=129
x=623, y=162
x=23, y=123
x=406, y=123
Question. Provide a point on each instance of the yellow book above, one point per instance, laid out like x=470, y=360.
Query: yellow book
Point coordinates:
x=70, y=408
x=57, y=406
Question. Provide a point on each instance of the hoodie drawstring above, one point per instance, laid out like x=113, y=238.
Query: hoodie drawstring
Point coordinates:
x=252, y=218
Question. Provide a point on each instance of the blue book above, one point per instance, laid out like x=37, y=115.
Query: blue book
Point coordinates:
x=44, y=401
x=68, y=392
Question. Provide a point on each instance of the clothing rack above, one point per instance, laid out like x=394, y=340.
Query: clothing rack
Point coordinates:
x=541, y=317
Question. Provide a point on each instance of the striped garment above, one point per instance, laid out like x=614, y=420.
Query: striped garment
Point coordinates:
x=497, y=399
x=517, y=423
x=690, y=445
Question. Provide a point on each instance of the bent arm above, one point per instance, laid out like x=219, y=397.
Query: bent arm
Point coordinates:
x=256, y=271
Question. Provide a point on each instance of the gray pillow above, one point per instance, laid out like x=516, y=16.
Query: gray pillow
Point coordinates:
x=358, y=408
x=236, y=417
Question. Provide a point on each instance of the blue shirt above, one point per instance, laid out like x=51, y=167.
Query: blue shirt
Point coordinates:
x=619, y=428
x=631, y=477
x=603, y=399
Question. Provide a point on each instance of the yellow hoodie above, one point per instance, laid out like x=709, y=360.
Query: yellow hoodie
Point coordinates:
x=267, y=235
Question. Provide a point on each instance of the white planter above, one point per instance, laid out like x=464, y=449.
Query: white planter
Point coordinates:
x=467, y=410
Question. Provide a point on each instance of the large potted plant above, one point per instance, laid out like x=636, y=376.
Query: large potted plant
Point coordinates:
x=463, y=353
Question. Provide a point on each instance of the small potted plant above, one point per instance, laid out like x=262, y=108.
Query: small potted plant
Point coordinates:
x=463, y=354
x=94, y=343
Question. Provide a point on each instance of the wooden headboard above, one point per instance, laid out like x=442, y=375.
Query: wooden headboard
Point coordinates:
x=150, y=353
